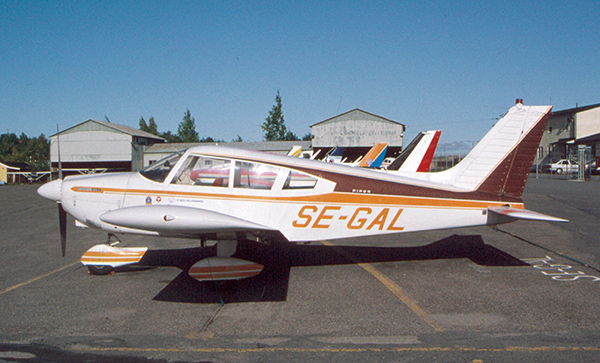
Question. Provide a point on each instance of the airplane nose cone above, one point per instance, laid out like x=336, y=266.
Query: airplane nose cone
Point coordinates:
x=51, y=190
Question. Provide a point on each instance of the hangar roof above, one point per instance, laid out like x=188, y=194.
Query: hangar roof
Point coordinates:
x=357, y=114
x=575, y=110
x=94, y=125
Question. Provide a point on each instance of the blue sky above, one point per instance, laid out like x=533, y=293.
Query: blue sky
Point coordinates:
x=454, y=66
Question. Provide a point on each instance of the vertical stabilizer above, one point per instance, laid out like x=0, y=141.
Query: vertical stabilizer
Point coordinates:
x=417, y=156
x=500, y=163
x=375, y=156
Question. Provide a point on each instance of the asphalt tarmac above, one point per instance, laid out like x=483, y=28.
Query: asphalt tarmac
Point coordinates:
x=526, y=291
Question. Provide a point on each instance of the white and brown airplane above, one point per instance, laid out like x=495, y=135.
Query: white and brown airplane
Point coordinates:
x=233, y=196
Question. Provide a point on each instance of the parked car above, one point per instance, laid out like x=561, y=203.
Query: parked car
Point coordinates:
x=564, y=166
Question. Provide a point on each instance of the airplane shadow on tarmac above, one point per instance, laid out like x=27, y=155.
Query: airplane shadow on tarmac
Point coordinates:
x=272, y=283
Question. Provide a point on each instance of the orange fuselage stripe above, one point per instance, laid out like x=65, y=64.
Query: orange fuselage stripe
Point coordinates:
x=335, y=197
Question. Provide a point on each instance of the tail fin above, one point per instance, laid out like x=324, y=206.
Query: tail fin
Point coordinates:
x=335, y=156
x=375, y=156
x=417, y=156
x=500, y=163
x=296, y=151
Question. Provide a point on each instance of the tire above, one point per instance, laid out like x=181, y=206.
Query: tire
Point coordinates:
x=559, y=171
x=100, y=269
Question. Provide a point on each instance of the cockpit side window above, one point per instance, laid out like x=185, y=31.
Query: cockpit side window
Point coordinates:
x=159, y=170
x=204, y=171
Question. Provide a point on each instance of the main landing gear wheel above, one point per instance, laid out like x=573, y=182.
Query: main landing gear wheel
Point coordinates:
x=100, y=269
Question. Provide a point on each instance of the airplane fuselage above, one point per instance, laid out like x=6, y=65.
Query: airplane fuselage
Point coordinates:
x=303, y=199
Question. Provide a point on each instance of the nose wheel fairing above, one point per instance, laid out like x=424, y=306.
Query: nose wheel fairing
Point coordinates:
x=101, y=257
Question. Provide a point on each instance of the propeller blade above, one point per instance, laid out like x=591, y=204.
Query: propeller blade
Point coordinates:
x=62, y=220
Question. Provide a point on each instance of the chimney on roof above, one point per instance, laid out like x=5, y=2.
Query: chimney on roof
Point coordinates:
x=519, y=101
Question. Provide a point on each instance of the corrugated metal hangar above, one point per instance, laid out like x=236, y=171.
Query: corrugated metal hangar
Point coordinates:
x=97, y=145
x=357, y=131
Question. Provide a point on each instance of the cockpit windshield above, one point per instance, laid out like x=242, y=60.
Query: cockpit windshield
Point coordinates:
x=160, y=169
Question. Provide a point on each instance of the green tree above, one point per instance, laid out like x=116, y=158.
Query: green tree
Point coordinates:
x=290, y=136
x=34, y=151
x=186, y=131
x=149, y=127
x=307, y=137
x=143, y=125
x=169, y=136
x=8, y=143
x=274, y=126
x=152, y=127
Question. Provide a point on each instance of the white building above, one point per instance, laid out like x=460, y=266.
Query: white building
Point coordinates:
x=357, y=131
x=93, y=145
x=567, y=130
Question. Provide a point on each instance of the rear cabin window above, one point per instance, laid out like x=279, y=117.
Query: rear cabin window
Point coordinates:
x=299, y=180
x=254, y=176
x=204, y=171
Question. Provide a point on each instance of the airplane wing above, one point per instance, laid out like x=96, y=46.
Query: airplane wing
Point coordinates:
x=524, y=214
x=179, y=220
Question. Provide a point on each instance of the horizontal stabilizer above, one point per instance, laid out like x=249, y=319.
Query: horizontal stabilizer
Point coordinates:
x=524, y=214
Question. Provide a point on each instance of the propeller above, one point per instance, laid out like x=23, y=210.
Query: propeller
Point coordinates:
x=62, y=215
x=62, y=220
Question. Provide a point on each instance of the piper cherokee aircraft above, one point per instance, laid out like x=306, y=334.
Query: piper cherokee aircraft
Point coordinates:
x=234, y=196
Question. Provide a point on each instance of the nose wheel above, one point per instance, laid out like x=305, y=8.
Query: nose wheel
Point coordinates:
x=100, y=269
x=104, y=258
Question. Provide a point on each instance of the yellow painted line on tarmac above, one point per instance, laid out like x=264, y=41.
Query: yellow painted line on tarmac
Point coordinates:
x=37, y=278
x=407, y=300
x=339, y=350
x=397, y=290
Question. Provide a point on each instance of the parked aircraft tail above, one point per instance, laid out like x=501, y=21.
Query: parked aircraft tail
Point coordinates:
x=296, y=151
x=375, y=156
x=335, y=156
x=417, y=156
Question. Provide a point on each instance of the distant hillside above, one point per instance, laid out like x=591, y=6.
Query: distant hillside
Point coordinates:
x=460, y=148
